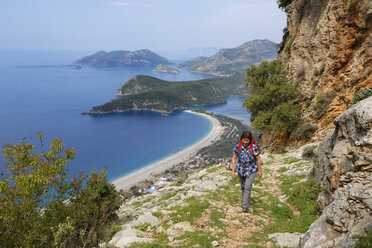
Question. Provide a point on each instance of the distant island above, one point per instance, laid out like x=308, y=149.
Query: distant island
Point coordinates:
x=149, y=93
x=76, y=67
x=122, y=58
x=228, y=61
x=165, y=68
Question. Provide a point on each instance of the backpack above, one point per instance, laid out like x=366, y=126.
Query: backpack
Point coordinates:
x=250, y=147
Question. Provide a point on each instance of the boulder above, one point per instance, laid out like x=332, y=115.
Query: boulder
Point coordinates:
x=286, y=239
x=197, y=176
x=127, y=237
x=146, y=219
x=179, y=229
x=206, y=185
x=319, y=233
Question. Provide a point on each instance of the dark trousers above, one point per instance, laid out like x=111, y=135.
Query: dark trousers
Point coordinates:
x=246, y=187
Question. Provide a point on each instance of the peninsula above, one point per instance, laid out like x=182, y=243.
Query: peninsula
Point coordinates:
x=149, y=93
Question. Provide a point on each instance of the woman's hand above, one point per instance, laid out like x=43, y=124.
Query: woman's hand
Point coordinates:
x=259, y=173
x=233, y=163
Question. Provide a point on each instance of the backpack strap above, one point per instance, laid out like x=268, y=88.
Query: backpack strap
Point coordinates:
x=240, y=147
x=251, y=147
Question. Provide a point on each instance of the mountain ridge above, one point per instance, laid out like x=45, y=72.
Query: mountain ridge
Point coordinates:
x=122, y=58
x=227, y=61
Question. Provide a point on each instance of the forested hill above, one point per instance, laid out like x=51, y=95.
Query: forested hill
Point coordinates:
x=149, y=93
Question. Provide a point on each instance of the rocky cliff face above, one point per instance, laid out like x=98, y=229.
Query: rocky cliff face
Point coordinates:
x=327, y=49
x=343, y=165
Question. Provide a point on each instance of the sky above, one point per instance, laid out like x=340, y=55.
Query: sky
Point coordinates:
x=137, y=24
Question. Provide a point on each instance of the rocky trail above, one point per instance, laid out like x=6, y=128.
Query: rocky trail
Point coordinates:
x=205, y=211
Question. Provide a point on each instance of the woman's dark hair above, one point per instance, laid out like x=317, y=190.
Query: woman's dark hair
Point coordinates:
x=246, y=135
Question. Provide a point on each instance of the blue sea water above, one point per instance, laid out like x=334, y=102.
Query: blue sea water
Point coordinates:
x=40, y=91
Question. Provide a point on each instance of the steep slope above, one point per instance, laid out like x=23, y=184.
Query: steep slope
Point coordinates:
x=327, y=48
x=228, y=61
x=343, y=165
x=123, y=58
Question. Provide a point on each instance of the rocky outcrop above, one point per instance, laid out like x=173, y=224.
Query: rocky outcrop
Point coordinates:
x=327, y=48
x=343, y=165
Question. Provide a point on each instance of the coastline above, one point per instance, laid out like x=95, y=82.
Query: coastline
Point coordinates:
x=144, y=173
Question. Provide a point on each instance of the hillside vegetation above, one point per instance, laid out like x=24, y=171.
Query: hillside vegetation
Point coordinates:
x=41, y=207
x=274, y=103
x=149, y=93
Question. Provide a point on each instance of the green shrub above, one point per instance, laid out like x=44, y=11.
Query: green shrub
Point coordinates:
x=320, y=70
x=285, y=117
x=308, y=152
x=322, y=103
x=39, y=207
x=361, y=95
x=305, y=131
x=301, y=73
x=284, y=4
x=287, y=48
x=271, y=102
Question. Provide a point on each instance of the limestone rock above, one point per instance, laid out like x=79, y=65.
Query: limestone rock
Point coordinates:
x=179, y=229
x=146, y=219
x=215, y=243
x=319, y=233
x=197, y=176
x=206, y=185
x=344, y=148
x=286, y=239
x=127, y=237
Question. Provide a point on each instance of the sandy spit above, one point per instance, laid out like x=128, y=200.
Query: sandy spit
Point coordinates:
x=127, y=181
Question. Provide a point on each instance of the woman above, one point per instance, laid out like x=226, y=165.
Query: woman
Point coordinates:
x=246, y=157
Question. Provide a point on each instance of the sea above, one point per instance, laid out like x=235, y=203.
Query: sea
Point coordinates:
x=40, y=91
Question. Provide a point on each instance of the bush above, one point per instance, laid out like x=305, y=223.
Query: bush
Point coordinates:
x=284, y=4
x=271, y=103
x=322, y=103
x=39, y=207
x=361, y=95
x=308, y=152
x=286, y=117
x=305, y=131
x=319, y=71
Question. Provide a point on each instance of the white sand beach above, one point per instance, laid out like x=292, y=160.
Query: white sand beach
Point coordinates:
x=127, y=181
